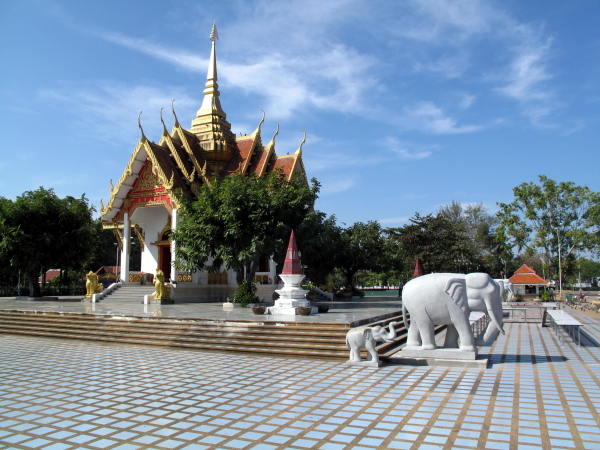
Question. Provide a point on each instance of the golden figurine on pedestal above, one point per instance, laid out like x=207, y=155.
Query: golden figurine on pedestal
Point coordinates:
x=92, y=285
x=160, y=291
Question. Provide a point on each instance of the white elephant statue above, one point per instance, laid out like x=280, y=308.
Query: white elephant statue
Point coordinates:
x=508, y=289
x=368, y=337
x=448, y=299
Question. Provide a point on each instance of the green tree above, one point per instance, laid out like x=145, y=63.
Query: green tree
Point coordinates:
x=478, y=228
x=317, y=237
x=361, y=247
x=590, y=271
x=551, y=216
x=39, y=231
x=239, y=219
x=438, y=242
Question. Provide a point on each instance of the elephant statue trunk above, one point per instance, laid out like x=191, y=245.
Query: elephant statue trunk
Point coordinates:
x=484, y=299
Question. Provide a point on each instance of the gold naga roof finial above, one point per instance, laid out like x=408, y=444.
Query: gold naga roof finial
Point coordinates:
x=140, y=125
x=272, y=143
x=165, y=132
x=301, y=144
x=173, y=109
x=261, y=120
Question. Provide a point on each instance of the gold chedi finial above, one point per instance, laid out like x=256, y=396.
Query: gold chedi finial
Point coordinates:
x=214, y=36
x=211, y=104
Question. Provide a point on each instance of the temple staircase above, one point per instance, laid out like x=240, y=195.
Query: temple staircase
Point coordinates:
x=292, y=339
x=128, y=293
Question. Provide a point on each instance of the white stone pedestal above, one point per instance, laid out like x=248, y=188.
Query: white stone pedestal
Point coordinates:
x=439, y=353
x=291, y=296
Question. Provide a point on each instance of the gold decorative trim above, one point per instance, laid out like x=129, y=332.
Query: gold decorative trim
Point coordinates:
x=139, y=234
x=135, y=278
x=119, y=237
x=186, y=145
x=166, y=182
x=126, y=174
x=184, y=278
x=262, y=279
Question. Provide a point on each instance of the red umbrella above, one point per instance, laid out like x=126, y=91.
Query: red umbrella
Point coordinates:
x=418, y=269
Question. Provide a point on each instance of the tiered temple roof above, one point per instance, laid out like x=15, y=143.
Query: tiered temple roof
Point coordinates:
x=183, y=160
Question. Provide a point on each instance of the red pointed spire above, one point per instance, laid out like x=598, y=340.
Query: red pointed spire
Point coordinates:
x=292, y=265
x=418, y=270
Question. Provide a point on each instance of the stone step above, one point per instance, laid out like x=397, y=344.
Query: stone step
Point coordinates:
x=299, y=352
x=158, y=335
x=195, y=329
x=321, y=340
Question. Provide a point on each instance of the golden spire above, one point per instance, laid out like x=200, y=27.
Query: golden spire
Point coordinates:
x=211, y=103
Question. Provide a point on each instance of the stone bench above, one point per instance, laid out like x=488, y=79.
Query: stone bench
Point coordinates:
x=560, y=321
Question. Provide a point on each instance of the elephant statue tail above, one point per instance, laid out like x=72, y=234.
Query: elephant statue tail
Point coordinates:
x=404, y=316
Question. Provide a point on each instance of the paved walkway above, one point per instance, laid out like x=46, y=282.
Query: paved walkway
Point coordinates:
x=64, y=394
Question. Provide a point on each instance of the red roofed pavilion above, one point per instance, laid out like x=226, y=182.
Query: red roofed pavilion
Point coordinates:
x=527, y=282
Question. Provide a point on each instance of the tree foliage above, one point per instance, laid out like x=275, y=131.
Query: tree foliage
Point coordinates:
x=438, y=242
x=480, y=245
x=239, y=219
x=360, y=247
x=40, y=231
x=551, y=216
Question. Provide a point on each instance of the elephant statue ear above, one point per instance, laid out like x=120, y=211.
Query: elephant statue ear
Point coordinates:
x=457, y=289
x=368, y=333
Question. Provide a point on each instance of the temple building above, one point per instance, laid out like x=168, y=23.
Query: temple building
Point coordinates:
x=143, y=204
x=527, y=282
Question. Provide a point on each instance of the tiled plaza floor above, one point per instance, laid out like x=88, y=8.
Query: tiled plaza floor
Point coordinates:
x=66, y=394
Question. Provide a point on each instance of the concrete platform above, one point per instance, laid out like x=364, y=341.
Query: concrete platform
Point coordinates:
x=354, y=312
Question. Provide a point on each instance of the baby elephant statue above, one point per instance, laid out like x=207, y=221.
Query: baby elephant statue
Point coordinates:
x=368, y=338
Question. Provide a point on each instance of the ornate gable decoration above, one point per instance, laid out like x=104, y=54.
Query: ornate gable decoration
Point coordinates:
x=148, y=181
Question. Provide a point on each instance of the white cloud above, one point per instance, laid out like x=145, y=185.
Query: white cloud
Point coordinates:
x=116, y=107
x=467, y=101
x=335, y=185
x=428, y=117
x=406, y=151
x=271, y=54
x=330, y=77
x=525, y=81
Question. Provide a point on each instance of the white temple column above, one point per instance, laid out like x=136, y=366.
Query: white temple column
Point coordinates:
x=125, y=251
x=173, y=228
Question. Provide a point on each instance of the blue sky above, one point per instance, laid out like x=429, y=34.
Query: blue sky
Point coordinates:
x=407, y=105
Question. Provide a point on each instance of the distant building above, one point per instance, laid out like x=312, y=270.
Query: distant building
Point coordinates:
x=143, y=202
x=49, y=275
x=527, y=282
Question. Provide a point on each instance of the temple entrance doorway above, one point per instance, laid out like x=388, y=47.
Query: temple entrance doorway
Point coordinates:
x=164, y=262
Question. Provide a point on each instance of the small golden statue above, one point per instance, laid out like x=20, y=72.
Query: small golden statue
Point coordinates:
x=92, y=285
x=160, y=291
